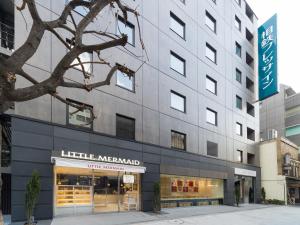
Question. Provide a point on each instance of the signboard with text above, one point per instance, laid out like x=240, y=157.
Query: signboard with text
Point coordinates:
x=267, y=59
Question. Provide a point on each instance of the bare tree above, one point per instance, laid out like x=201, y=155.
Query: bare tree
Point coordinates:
x=13, y=66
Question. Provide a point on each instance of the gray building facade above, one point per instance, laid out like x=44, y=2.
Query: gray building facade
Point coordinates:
x=219, y=122
x=281, y=113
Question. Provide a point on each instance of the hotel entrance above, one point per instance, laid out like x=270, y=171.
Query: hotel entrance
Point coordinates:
x=85, y=187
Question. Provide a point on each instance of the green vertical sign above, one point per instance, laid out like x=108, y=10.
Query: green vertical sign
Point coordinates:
x=267, y=59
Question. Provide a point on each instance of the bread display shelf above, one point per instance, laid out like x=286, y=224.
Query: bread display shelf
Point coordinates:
x=67, y=195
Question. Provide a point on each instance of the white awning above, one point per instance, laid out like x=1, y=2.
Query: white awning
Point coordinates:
x=244, y=172
x=85, y=164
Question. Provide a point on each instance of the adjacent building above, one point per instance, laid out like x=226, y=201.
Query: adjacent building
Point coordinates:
x=280, y=115
x=187, y=119
x=279, y=161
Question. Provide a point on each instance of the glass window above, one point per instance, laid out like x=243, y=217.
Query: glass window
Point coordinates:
x=238, y=23
x=239, y=102
x=211, y=116
x=250, y=109
x=212, y=149
x=178, y=140
x=249, y=12
x=177, y=101
x=249, y=84
x=125, y=127
x=239, y=129
x=249, y=60
x=238, y=2
x=177, y=63
x=250, y=158
x=238, y=49
x=211, y=53
x=85, y=58
x=249, y=36
x=250, y=134
x=181, y=187
x=211, y=22
x=125, y=81
x=124, y=27
x=290, y=131
x=76, y=117
x=211, y=85
x=238, y=75
x=240, y=156
x=83, y=11
x=177, y=25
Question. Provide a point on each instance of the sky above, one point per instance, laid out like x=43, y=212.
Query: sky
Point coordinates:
x=288, y=36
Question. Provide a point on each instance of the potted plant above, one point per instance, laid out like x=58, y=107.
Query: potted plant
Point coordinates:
x=33, y=188
x=156, y=200
x=263, y=195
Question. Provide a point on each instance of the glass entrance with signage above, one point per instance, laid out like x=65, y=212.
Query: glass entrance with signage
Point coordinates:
x=81, y=191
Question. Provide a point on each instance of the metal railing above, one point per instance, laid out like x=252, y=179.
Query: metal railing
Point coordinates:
x=7, y=35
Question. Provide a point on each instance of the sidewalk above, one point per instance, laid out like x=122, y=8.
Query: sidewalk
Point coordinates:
x=140, y=217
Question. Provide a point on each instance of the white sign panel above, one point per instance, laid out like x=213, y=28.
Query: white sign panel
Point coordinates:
x=244, y=172
x=128, y=179
x=85, y=164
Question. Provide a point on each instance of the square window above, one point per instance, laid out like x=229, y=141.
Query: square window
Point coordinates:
x=79, y=118
x=177, y=101
x=211, y=116
x=250, y=109
x=250, y=134
x=211, y=85
x=211, y=22
x=239, y=156
x=125, y=127
x=177, y=25
x=212, y=149
x=125, y=81
x=124, y=27
x=177, y=63
x=250, y=158
x=238, y=49
x=239, y=102
x=238, y=75
x=249, y=60
x=249, y=36
x=249, y=84
x=211, y=53
x=178, y=140
x=239, y=129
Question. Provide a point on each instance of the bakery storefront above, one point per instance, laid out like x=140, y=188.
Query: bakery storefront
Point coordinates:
x=88, y=183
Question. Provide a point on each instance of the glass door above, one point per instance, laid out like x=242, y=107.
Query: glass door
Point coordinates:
x=129, y=192
x=106, y=191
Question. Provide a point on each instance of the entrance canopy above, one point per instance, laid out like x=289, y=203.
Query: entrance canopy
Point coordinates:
x=85, y=164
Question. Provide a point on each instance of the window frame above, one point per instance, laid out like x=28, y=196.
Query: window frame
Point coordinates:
x=185, y=140
x=210, y=155
x=180, y=59
x=237, y=71
x=180, y=22
x=123, y=87
x=240, y=129
x=216, y=116
x=238, y=46
x=134, y=128
x=241, y=156
x=238, y=22
x=212, y=49
x=212, y=19
x=237, y=97
x=179, y=95
x=91, y=127
x=214, y=82
x=126, y=23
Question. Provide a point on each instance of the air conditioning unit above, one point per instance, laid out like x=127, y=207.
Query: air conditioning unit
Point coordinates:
x=272, y=134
